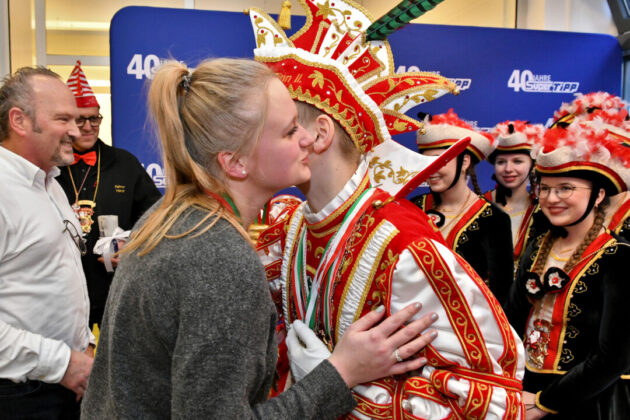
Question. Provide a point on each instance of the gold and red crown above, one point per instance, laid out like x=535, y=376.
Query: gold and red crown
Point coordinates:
x=516, y=136
x=589, y=106
x=584, y=146
x=328, y=64
x=78, y=84
x=444, y=130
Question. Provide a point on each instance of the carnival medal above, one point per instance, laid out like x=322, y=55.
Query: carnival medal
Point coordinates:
x=537, y=342
x=84, y=209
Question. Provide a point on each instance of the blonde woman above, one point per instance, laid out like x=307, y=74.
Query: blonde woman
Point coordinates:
x=513, y=166
x=189, y=326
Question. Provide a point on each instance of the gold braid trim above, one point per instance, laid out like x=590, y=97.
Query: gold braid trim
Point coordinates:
x=542, y=407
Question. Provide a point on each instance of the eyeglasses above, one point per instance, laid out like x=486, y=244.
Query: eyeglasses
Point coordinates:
x=95, y=121
x=76, y=238
x=563, y=191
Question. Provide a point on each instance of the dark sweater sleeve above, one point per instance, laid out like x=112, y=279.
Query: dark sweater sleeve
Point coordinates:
x=499, y=254
x=321, y=394
x=225, y=350
x=609, y=357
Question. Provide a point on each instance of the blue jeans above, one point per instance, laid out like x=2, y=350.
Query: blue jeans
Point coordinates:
x=37, y=401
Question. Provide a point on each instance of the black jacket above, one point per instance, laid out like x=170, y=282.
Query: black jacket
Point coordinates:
x=586, y=372
x=124, y=189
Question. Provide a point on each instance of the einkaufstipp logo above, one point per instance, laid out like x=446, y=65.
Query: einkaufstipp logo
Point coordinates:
x=526, y=81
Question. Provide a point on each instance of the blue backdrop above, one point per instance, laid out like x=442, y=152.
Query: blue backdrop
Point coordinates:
x=502, y=73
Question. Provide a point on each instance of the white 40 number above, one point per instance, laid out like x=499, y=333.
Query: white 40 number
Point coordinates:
x=518, y=80
x=140, y=67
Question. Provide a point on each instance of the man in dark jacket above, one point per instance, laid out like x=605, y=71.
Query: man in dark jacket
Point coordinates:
x=103, y=180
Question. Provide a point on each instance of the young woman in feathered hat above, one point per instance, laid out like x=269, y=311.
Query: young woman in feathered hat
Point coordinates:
x=475, y=228
x=513, y=166
x=610, y=112
x=570, y=297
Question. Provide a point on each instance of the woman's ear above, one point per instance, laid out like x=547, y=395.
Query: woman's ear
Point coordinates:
x=466, y=163
x=600, y=197
x=324, y=133
x=234, y=167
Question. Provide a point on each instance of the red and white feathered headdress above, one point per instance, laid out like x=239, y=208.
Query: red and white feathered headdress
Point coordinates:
x=329, y=64
x=443, y=130
x=515, y=137
x=584, y=147
x=586, y=107
x=78, y=84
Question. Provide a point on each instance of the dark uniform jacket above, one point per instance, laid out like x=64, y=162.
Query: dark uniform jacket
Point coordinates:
x=125, y=190
x=585, y=370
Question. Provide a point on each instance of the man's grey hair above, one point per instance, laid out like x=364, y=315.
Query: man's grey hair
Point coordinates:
x=16, y=91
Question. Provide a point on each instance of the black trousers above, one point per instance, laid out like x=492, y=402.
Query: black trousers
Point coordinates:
x=37, y=401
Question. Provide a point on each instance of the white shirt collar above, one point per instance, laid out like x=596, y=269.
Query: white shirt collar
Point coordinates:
x=346, y=192
x=26, y=169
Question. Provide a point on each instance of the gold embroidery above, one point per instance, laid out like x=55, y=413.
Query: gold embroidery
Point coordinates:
x=377, y=298
x=593, y=269
x=347, y=262
x=388, y=261
x=572, y=332
x=120, y=189
x=427, y=95
x=567, y=356
x=319, y=251
x=384, y=170
x=325, y=10
x=459, y=314
x=263, y=31
x=573, y=310
x=580, y=287
x=612, y=250
x=324, y=233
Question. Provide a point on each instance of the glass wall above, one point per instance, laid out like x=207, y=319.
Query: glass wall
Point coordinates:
x=57, y=33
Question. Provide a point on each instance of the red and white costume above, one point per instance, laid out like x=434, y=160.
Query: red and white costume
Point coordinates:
x=367, y=247
x=394, y=256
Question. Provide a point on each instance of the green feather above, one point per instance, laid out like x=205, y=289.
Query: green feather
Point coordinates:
x=399, y=16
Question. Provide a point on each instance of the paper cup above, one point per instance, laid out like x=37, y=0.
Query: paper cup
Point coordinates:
x=107, y=224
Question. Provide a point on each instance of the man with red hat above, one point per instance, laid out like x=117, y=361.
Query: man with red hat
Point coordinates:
x=103, y=180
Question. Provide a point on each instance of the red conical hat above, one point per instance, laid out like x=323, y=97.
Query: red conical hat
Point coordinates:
x=78, y=84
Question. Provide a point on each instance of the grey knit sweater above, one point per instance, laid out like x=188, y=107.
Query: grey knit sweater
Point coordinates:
x=188, y=332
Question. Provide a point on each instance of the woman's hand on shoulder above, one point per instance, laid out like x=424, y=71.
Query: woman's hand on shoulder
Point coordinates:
x=366, y=353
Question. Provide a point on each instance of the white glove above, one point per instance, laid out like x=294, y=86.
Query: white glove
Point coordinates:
x=305, y=349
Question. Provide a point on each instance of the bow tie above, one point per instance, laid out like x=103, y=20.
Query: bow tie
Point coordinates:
x=89, y=158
